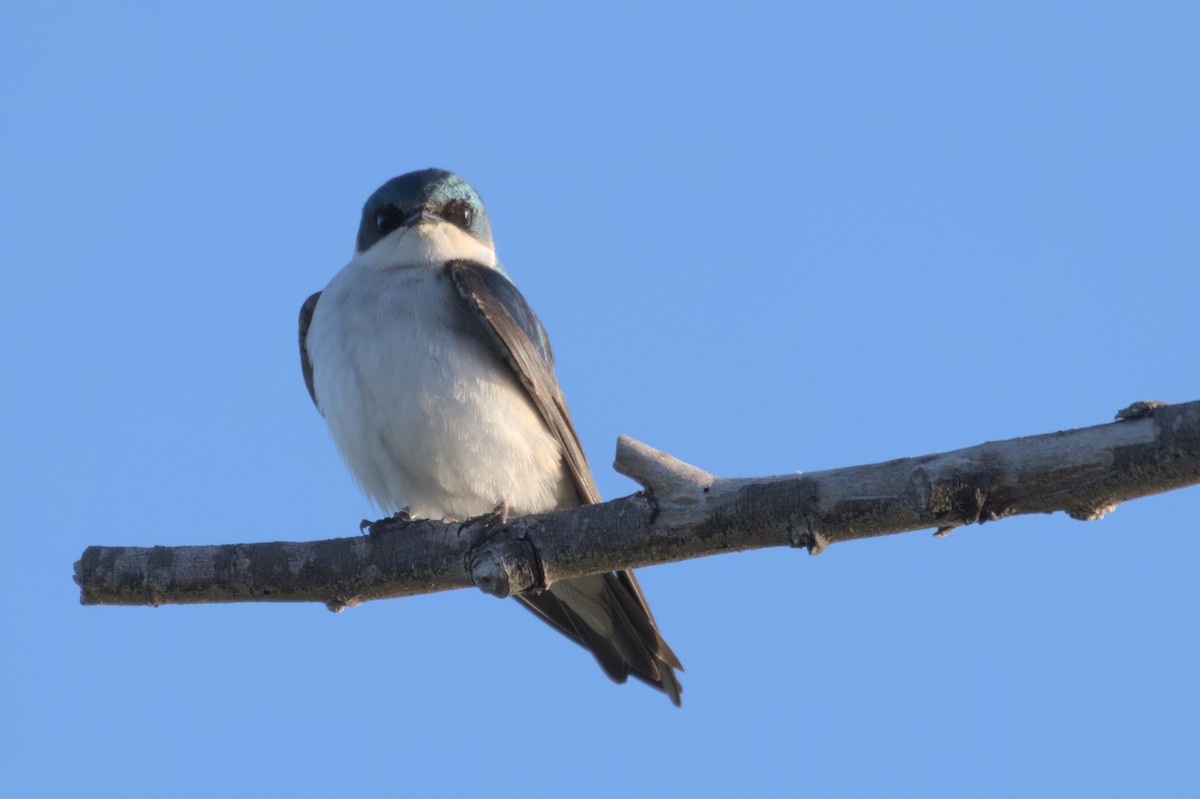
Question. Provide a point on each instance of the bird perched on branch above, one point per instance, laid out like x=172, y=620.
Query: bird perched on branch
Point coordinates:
x=437, y=382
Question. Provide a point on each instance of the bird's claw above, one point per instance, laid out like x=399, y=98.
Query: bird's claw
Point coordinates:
x=498, y=517
x=373, y=528
x=481, y=526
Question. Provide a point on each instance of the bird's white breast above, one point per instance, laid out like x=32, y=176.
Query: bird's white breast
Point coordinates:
x=422, y=409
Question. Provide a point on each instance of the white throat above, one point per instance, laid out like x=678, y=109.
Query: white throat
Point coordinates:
x=428, y=244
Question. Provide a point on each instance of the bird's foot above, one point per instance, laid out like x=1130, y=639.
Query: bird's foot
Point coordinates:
x=499, y=515
x=480, y=526
x=373, y=528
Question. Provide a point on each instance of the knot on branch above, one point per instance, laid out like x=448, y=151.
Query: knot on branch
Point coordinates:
x=1142, y=409
x=1094, y=512
x=952, y=489
x=339, y=603
x=805, y=535
x=806, y=531
x=505, y=564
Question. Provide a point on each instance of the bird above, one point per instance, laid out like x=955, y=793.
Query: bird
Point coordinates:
x=437, y=382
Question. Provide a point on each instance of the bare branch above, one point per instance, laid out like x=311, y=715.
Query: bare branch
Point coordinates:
x=684, y=513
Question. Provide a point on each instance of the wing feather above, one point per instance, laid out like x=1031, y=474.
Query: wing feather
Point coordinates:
x=306, y=315
x=635, y=646
x=518, y=334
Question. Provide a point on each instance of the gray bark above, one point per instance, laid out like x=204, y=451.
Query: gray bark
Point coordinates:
x=683, y=513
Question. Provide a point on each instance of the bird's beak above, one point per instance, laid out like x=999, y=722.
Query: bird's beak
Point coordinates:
x=422, y=217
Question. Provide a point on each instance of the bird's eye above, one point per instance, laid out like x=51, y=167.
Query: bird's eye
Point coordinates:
x=388, y=219
x=459, y=213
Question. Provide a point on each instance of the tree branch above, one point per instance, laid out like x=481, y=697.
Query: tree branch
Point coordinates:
x=684, y=513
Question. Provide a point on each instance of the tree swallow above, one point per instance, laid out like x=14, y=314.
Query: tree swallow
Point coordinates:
x=437, y=381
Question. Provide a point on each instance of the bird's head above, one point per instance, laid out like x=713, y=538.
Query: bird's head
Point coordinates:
x=426, y=216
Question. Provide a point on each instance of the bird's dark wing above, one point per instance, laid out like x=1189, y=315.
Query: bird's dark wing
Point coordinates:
x=518, y=334
x=306, y=315
x=635, y=646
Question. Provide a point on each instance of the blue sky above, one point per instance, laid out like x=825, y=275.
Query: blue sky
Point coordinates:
x=763, y=240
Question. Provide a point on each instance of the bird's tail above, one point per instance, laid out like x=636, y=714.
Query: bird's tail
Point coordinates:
x=608, y=615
